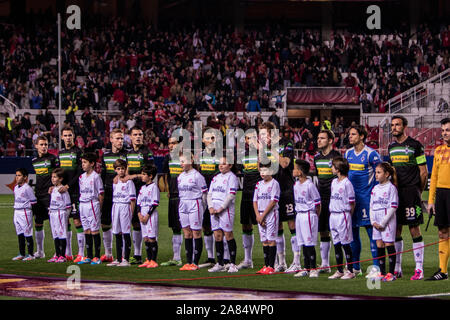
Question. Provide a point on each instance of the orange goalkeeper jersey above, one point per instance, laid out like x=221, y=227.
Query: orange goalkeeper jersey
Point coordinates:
x=440, y=175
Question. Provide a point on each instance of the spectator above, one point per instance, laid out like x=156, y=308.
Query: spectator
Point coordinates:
x=253, y=104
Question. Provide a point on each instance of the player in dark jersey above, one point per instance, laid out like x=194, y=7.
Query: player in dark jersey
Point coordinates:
x=108, y=174
x=137, y=157
x=268, y=136
x=70, y=160
x=323, y=163
x=171, y=171
x=249, y=168
x=209, y=167
x=408, y=158
x=43, y=165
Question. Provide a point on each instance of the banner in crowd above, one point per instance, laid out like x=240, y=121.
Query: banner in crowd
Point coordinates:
x=321, y=95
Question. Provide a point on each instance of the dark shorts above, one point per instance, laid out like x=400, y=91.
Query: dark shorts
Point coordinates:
x=324, y=217
x=247, y=213
x=40, y=210
x=174, y=218
x=106, y=218
x=442, y=206
x=206, y=219
x=410, y=209
x=286, y=207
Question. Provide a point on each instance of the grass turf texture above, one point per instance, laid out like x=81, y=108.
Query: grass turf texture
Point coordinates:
x=285, y=282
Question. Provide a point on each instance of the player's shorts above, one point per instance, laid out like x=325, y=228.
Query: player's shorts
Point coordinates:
x=23, y=222
x=40, y=210
x=174, y=217
x=306, y=226
x=286, y=206
x=106, y=218
x=270, y=231
x=410, y=210
x=442, y=206
x=388, y=234
x=324, y=217
x=206, y=219
x=361, y=216
x=59, y=219
x=223, y=221
x=135, y=218
x=191, y=213
x=341, y=227
x=75, y=212
x=90, y=215
x=150, y=229
x=121, y=218
x=247, y=212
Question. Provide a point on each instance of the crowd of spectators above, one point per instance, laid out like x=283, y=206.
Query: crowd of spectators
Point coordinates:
x=160, y=79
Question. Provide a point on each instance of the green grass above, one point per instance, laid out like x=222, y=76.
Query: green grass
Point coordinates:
x=285, y=282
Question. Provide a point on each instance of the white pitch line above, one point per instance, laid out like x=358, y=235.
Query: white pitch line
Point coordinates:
x=431, y=295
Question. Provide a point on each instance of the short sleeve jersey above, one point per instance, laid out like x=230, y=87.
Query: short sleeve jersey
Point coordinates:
x=44, y=166
x=383, y=197
x=284, y=175
x=406, y=157
x=124, y=192
x=191, y=185
x=342, y=195
x=24, y=197
x=91, y=187
x=172, y=169
x=70, y=161
x=306, y=196
x=221, y=186
x=265, y=193
x=323, y=164
x=362, y=171
x=250, y=170
x=209, y=166
x=148, y=196
x=59, y=201
x=108, y=172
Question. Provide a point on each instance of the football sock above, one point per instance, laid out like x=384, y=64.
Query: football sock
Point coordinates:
x=398, y=248
x=232, y=247
x=198, y=243
x=209, y=245
x=443, y=255
x=89, y=245
x=281, y=248
x=339, y=256
x=30, y=245
x=40, y=236
x=419, y=250
x=266, y=255
x=127, y=238
x=63, y=246
x=137, y=241
x=348, y=256
x=81, y=239
x=154, y=249
x=272, y=254
x=57, y=247
x=107, y=241
x=248, y=240
x=325, y=244
x=382, y=261
x=21, y=244
x=356, y=247
x=97, y=245
x=148, y=250
x=189, y=246
x=311, y=251
x=373, y=245
x=226, y=251
x=392, y=258
x=119, y=245
x=177, y=240
x=69, y=242
x=295, y=250
x=305, y=257
x=219, y=252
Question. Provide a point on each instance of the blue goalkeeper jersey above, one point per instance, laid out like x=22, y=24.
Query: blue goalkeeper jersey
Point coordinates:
x=362, y=177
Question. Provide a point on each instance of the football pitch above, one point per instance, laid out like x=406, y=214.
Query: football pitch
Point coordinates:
x=245, y=279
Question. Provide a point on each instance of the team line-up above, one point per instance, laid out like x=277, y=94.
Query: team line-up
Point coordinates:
x=354, y=191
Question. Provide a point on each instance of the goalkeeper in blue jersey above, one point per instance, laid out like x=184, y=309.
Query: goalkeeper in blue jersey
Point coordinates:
x=363, y=161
